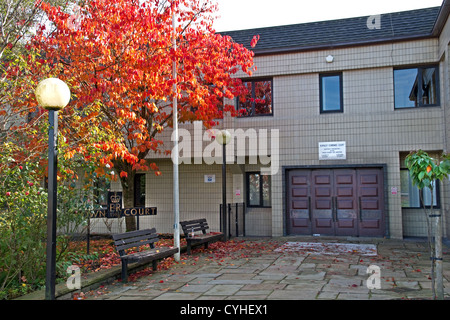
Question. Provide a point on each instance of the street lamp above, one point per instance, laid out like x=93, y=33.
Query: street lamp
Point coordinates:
x=223, y=138
x=52, y=94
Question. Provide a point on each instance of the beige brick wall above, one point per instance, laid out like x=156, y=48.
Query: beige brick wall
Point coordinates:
x=374, y=132
x=444, y=51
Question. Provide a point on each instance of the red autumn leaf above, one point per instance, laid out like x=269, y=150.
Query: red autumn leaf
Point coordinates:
x=254, y=41
x=123, y=174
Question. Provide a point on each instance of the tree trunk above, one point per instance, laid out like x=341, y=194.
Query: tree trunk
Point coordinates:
x=128, y=199
x=438, y=258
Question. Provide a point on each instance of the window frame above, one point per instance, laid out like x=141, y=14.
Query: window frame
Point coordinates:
x=421, y=204
x=341, y=92
x=101, y=188
x=420, y=69
x=253, y=81
x=138, y=193
x=261, y=199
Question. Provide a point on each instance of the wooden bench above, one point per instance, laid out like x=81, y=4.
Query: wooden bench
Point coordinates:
x=191, y=229
x=137, y=239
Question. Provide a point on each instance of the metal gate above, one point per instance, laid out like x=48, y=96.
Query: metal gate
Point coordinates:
x=235, y=219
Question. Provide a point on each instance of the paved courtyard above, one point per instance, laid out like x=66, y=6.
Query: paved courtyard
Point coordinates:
x=273, y=269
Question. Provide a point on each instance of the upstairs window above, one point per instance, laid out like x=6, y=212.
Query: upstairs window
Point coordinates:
x=256, y=100
x=331, y=93
x=416, y=87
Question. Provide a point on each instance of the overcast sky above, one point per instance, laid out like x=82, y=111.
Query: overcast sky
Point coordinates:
x=248, y=14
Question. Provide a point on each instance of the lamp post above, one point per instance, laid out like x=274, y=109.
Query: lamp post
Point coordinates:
x=52, y=94
x=223, y=138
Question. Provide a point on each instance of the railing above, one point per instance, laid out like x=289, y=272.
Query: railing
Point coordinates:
x=235, y=219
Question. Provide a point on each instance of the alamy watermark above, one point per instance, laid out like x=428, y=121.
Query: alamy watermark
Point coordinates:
x=258, y=146
x=374, y=22
x=74, y=280
x=374, y=280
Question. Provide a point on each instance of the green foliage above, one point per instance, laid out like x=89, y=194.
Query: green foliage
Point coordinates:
x=23, y=205
x=424, y=170
x=23, y=220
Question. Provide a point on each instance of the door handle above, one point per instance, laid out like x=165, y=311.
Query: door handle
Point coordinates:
x=335, y=210
x=360, y=209
x=309, y=208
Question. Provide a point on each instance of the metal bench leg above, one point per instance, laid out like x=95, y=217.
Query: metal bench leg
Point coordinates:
x=124, y=271
x=155, y=265
x=189, y=248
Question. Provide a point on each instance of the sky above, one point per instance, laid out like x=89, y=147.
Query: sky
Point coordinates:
x=249, y=14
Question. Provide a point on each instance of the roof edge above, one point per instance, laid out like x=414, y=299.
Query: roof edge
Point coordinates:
x=442, y=18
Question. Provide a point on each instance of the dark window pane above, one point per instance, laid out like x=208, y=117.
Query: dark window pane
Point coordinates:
x=254, y=191
x=266, y=191
x=416, y=87
x=257, y=98
x=263, y=97
x=411, y=194
x=331, y=93
x=405, y=86
x=101, y=189
x=139, y=190
x=429, y=85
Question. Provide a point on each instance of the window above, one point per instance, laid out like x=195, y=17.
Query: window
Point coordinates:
x=101, y=188
x=411, y=195
x=256, y=100
x=259, y=190
x=139, y=190
x=331, y=93
x=416, y=87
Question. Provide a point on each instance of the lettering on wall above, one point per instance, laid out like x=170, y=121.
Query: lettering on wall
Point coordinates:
x=114, y=209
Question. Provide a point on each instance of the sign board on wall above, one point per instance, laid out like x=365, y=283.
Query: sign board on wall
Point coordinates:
x=210, y=178
x=114, y=209
x=332, y=150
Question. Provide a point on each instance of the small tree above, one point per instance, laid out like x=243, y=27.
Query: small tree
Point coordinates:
x=424, y=171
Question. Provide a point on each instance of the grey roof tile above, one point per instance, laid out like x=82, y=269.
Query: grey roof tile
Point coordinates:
x=324, y=34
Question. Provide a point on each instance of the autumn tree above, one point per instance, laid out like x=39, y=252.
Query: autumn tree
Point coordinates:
x=18, y=20
x=117, y=59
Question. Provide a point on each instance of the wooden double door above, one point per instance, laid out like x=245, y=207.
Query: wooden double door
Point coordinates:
x=341, y=202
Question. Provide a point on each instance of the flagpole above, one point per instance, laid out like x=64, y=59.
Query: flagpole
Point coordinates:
x=176, y=205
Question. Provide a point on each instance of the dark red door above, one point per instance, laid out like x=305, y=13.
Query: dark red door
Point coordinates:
x=322, y=202
x=334, y=206
x=344, y=202
x=299, y=201
x=371, y=202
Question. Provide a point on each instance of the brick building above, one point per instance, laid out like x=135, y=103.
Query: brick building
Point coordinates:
x=335, y=106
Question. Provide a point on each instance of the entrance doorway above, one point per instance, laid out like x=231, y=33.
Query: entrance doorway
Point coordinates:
x=341, y=202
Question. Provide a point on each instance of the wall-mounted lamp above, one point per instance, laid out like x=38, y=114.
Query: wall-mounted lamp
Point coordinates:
x=329, y=59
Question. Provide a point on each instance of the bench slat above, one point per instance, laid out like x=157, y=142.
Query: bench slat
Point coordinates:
x=154, y=254
x=121, y=247
x=132, y=234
